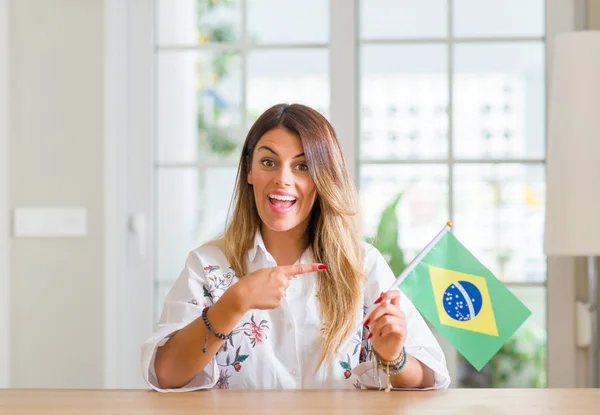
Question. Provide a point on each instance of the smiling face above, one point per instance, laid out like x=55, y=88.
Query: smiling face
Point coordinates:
x=283, y=189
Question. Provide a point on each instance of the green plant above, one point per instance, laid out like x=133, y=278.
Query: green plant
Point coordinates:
x=214, y=30
x=211, y=132
x=386, y=239
x=521, y=361
x=218, y=139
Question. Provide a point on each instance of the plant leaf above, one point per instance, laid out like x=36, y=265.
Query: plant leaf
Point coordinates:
x=386, y=240
x=396, y=261
x=206, y=292
x=241, y=358
x=387, y=231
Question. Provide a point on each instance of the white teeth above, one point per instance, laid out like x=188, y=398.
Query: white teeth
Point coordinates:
x=280, y=197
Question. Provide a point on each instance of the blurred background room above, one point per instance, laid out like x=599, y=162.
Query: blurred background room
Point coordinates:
x=120, y=129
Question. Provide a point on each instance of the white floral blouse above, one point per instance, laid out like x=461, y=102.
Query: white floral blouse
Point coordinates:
x=279, y=348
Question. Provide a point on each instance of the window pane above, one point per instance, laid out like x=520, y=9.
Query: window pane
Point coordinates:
x=403, y=18
x=198, y=106
x=192, y=208
x=499, y=100
x=499, y=216
x=522, y=360
x=290, y=76
x=185, y=22
x=177, y=219
x=507, y=18
x=422, y=210
x=276, y=21
x=404, y=100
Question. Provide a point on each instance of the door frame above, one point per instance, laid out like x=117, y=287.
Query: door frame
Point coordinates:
x=128, y=288
x=115, y=130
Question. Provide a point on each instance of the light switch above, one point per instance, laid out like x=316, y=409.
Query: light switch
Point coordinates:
x=56, y=222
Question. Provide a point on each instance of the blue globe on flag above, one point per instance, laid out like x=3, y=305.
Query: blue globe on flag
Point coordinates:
x=462, y=301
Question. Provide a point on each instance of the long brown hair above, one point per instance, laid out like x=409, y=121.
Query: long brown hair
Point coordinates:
x=333, y=229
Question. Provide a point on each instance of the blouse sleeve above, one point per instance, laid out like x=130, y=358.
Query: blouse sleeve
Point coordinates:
x=183, y=304
x=420, y=342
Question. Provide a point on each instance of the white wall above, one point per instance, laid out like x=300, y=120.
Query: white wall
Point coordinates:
x=592, y=23
x=4, y=254
x=593, y=13
x=56, y=159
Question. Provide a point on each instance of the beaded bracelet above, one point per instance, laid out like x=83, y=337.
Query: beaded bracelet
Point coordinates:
x=210, y=328
x=393, y=367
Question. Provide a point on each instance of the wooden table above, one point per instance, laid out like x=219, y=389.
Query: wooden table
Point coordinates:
x=343, y=402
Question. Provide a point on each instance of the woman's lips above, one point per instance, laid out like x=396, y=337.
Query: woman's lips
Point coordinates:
x=281, y=207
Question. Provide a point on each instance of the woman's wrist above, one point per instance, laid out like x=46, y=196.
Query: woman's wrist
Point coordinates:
x=235, y=299
x=388, y=356
x=394, y=365
x=414, y=375
x=225, y=314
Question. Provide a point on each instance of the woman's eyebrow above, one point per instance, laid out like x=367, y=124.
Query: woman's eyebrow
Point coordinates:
x=269, y=149
x=273, y=151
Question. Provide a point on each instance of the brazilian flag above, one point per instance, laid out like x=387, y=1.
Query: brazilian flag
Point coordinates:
x=463, y=300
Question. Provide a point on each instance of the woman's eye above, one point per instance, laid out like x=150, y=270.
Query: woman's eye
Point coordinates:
x=267, y=163
x=302, y=167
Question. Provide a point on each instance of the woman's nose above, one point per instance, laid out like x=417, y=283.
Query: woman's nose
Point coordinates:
x=284, y=177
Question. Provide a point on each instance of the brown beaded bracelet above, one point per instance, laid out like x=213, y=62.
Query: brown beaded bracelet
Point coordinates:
x=210, y=328
x=400, y=359
x=391, y=367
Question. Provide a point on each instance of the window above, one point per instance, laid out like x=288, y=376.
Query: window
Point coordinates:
x=451, y=116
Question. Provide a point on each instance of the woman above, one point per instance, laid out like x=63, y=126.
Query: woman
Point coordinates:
x=278, y=301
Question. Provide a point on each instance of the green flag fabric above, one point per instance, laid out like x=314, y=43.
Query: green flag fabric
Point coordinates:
x=464, y=301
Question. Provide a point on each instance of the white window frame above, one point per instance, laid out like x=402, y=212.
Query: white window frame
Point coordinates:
x=5, y=329
x=129, y=127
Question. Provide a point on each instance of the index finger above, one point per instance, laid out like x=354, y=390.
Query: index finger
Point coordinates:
x=393, y=296
x=291, y=270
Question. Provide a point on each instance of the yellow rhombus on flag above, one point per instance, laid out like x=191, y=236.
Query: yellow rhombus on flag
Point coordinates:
x=463, y=300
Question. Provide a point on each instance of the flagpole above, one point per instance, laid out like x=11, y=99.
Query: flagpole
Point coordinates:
x=414, y=263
